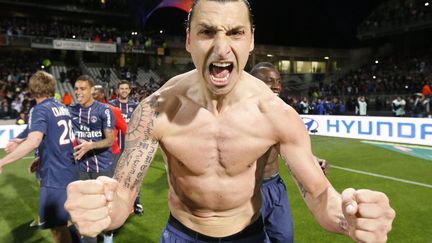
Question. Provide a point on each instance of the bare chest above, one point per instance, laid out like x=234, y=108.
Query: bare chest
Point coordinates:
x=226, y=144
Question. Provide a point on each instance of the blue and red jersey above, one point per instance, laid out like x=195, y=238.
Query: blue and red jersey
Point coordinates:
x=57, y=167
x=89, y=124
x=126, y=109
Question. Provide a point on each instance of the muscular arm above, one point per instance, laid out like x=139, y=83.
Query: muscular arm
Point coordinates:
x=140, y=148
x=106, y=142
x=295, y=149
x=32, y=142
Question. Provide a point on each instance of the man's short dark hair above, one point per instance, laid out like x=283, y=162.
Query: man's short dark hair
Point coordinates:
x=195, y=2
x=255, y=71
x=123, y=81
x=87, y=78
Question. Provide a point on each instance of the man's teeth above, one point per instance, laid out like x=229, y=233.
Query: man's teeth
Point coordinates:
x=220, y=79
x=221, y=64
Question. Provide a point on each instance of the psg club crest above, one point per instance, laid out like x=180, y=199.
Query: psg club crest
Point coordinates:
x=130, y=109
x=93, y=119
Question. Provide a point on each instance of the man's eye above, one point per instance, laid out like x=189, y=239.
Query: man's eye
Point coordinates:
x=236, y=33
x=205, y=32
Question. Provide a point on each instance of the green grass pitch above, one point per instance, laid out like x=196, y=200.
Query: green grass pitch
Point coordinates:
x=19, y=195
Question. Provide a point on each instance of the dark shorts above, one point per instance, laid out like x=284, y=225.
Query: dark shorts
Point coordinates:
x=176, y=232
x=276, y=211
x=116, y=158
x=83, y=175
x=51, y=207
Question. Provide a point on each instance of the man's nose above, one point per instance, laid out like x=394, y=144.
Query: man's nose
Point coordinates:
x=276, y=85
x=222, y=47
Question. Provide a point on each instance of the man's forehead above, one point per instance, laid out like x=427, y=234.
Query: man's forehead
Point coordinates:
x=82, y=83
x=269, y=71
x=232, y=14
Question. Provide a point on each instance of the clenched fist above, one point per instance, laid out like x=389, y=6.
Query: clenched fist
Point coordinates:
x=368, y=214
x=88, y=203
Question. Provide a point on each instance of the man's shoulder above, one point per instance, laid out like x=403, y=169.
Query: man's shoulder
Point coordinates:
x=116, y=110
x=100, y=106
x=114, y=102
x=175, y=87
x=272, y=103
x=74, y=107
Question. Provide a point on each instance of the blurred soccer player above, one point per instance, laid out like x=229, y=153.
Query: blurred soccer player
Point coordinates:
x=93, y=123
x=50, y=131
x=275, y=208
x=120, y=125
x=125, y=104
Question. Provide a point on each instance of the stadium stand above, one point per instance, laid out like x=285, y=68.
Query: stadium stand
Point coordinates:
x=394, y=17
x=136, y=55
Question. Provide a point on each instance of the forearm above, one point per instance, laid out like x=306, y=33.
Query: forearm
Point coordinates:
x=104, y=143
x=22, y=150
x=327, y=210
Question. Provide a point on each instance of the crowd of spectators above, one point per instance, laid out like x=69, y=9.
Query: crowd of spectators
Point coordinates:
x=96, y=5
x=41, y=29
x=415, y=105
x=394, y=75
x=15, y=71
x=397, y=13
x=380, y=82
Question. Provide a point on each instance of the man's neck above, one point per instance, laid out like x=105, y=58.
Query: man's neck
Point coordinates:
x=88, y=104
x=41, y=99
x=217, y=103
x=125, y=100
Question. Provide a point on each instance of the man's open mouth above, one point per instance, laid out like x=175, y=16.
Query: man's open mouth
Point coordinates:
x=220, y=72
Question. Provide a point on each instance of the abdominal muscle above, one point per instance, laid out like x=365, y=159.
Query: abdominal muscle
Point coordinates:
x=214, y=203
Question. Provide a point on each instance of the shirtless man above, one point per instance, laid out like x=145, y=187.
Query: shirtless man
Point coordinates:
x=213, y=124
x=275, y=207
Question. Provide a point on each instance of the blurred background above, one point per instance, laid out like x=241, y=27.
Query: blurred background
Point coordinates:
x=328, y=52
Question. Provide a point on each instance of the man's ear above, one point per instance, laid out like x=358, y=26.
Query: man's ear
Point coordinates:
x=187, y=40
x=252, y=44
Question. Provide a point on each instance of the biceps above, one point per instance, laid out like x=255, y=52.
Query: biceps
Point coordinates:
x=109, y=135
x=35, y=138
x=301, y=163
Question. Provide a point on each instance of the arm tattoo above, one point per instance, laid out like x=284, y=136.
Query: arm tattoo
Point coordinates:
x=343, y=223
x=140, y=147
x=299, y=184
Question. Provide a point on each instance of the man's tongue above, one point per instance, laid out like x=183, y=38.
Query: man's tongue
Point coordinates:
x=219, y=72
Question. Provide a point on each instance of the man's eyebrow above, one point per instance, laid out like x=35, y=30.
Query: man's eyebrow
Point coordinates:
x=212, y=27
x=207, y=26
x=238, y=27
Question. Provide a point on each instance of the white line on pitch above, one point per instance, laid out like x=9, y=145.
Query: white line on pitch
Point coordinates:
x=382, y=176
